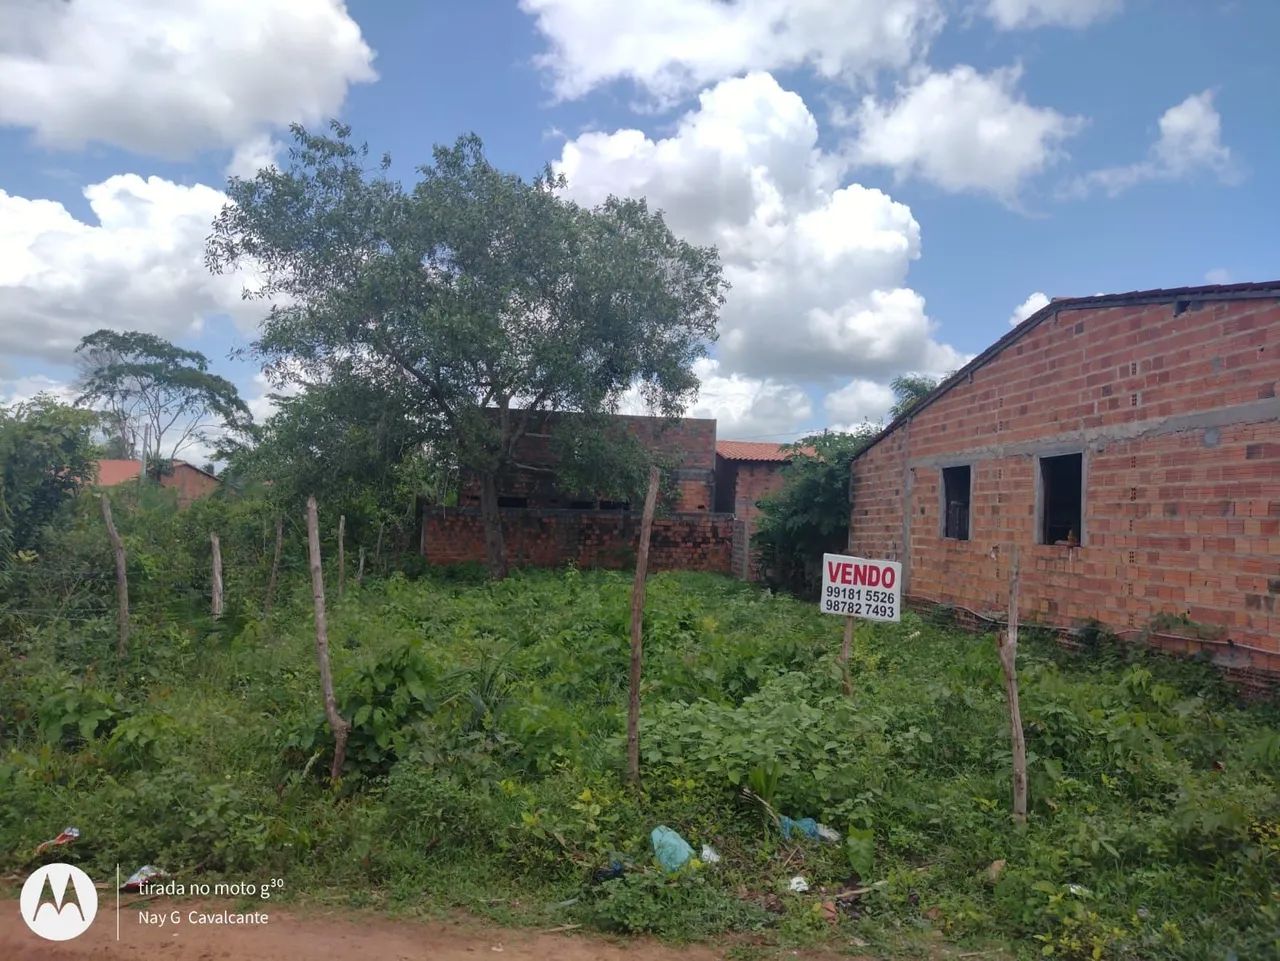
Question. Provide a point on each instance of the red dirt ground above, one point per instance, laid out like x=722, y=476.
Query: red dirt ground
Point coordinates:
x=320, y=937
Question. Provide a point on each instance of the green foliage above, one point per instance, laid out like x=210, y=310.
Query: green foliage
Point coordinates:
x=487, y=760
x=682, y=907
x=46, y=457
x=809, y=516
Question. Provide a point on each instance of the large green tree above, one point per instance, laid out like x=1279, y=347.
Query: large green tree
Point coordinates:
x=157, y=399
x=477, y=298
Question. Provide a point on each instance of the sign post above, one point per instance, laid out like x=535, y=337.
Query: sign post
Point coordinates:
x=856, y=587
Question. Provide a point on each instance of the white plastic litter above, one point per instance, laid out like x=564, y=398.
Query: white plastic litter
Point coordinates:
x=830, y=835
x=709, y=855
x=798, y=884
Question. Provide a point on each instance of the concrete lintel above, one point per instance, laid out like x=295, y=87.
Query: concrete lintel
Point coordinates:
x=1254, y=412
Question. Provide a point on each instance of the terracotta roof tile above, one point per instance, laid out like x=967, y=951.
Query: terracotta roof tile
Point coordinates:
x=752, y=450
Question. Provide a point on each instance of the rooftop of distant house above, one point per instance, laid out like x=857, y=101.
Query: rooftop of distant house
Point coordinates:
x=752, y=450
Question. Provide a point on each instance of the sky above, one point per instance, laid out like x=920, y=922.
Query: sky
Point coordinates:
x=890, y=183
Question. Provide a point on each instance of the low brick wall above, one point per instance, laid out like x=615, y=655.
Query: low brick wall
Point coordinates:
x=550, y=538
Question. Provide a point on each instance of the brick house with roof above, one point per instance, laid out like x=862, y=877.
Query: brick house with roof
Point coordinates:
x=1129, y=445
x=746, y=472
x=191, y=482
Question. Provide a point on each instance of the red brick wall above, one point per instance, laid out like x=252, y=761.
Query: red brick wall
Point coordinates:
x=1178, y=419
x=549, y=538
x=688, y=443
x=755, y=480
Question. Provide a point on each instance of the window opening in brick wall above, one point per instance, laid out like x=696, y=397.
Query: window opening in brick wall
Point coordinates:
x=582, y=505
x=615, y=505
x=956, y=492
x=1061, y=498
x=505, y=501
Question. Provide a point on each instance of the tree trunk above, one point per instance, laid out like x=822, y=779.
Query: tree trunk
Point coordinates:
x=377, y=547
x=1008, y=642
x=275, y=569
x=360, y=567
x=637, y=631
x=494, y=549
x=122, y=580
x=216, y=548
x=342, y=554
x=337, y=724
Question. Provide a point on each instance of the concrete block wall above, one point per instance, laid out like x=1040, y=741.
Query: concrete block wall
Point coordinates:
x=1174, y=408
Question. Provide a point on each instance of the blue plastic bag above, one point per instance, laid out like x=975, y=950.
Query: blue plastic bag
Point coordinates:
x=805, y=827
x=671, y=850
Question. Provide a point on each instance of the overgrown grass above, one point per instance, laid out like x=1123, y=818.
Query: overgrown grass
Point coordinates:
x=485, y=769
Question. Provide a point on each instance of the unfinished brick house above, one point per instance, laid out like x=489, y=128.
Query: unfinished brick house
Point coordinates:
x=687, y=445
x=546, y=525
x=1129, y=445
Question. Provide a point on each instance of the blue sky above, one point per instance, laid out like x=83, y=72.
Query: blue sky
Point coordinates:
x=888, y=180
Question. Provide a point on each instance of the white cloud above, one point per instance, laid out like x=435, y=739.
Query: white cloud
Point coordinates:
x=1218, y=275
x=1018, y=14
x=963, y=131
x=859, y=401
x=672, y=47
x=253, y=155
x=171, y=78
x=748, y=407
x=22, y=389
x=263, y=402
x=139, y=267
x=818, y=269
x=1028, y=307
x=744, y=408
x=1190, y=142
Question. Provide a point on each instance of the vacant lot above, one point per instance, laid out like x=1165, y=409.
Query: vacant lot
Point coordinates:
x=485, y=762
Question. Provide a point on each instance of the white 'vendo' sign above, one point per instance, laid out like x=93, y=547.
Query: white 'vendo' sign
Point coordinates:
x=857, y=587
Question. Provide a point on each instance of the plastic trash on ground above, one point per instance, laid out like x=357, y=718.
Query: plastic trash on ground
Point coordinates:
x=138, y=878
x=616, y=869
x=807, y=828
x=671, y=850
x=798, y=884
x=709, y=855
x=66, y=837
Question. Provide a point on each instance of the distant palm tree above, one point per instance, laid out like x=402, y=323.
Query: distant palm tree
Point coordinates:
x=910, y=389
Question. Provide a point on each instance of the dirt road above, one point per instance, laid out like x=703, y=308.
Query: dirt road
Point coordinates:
x=317, y=937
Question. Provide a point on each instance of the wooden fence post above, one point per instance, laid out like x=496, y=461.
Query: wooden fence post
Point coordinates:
x=216, y=547
x=275, y=569
x=846, y=652
x=342, y=554
x=637, y=631
x=360, y=567
x=122, y=580
x=1008, y=648
x=337, y=724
